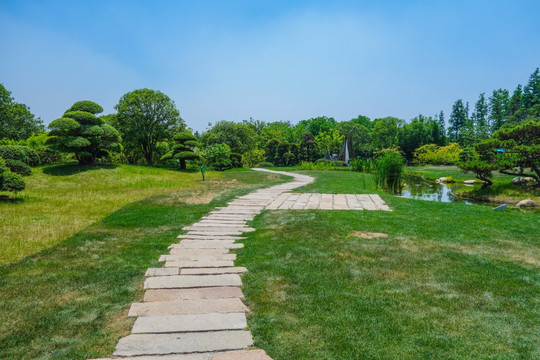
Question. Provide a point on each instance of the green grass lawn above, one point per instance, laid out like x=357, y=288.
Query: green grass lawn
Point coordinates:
x=60, y=201
x=451, y=281
x=502, y=190
x=70, y=300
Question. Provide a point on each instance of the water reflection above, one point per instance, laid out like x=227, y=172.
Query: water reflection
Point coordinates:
x=419, y=188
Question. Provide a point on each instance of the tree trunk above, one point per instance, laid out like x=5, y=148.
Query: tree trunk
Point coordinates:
x=182, y=164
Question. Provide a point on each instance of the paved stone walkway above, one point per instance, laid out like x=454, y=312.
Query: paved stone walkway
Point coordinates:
x=192, y=307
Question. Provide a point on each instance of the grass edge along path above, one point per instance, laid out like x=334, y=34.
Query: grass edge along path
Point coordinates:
x=451, y=281
x=70, y=301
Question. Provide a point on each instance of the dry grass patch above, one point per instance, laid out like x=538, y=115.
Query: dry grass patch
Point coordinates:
x=368, y=235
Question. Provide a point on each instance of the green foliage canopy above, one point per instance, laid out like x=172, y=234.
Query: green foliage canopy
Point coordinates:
x=83, y=134
x=146, y=117
x=16, y=120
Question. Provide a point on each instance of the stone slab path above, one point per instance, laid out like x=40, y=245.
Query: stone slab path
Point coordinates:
x=192, y=307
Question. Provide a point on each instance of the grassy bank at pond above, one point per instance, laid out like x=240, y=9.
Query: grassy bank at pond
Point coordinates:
x=451, y=281
x=70, y=300
x=502, y=190
x=60, y=201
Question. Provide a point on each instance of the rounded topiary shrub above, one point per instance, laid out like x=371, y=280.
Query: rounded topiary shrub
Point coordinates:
x=265, y=164
x=18, y=167
x=48, y=156
x=11, y=182
x=87, y=106
x=20, y=153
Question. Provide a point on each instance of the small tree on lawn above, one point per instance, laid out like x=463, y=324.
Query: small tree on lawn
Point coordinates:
x=218, y=156
x=10, y=181
x=184, y=149
x=253, y=157
x=81, y=132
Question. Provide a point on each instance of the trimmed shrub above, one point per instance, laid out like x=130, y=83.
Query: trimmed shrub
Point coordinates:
x=48, y=156
x=20, y=153
x=86, y=106
x=18, y=167
x=339, y=163
x=11, y=182
x=265, y=164
x=253, y=157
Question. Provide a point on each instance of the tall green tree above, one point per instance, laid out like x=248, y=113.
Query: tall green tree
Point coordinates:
x=146, y=117
x=385, y=132
x=498, y=108
x=183, y=148
x=308, y=148
x=364, y=121
x=479, y=117
x=81, y=132
x=16, y=120
x=240, y=138
x=357, y=137
x=329, y=142
x=319, y=124
x=458, y=122
x=516, y=111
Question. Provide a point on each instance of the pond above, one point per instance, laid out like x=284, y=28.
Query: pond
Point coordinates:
x=422, y=189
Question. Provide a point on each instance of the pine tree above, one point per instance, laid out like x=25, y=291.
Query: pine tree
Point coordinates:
x=184, y=149
x=458, y=122
x=516, y=110
x=442, y=128
x=479, y=117
x=498, y=108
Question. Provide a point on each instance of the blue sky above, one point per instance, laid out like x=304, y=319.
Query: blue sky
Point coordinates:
x=270, y=60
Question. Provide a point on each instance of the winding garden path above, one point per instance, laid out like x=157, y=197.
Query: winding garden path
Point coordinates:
x=192, y=308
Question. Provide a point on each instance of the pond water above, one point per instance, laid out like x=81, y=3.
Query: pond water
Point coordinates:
x=421, y=189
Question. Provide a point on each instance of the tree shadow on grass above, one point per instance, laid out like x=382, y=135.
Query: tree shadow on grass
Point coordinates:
x=10, y=199
x=71, y=169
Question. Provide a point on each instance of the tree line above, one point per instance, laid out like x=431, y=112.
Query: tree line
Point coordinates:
x=147, y=129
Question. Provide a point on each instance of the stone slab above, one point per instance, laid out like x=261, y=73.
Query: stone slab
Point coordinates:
x=204, y=356
x=175, y=250
x=164, y=344
x=209, y=237
x=189, y=323
x=192, y=281
x=199, y=264
x=202, y=257
x=211, y=271
x=243, y=355
x=208, y=244
x=184, y=307
x=224, y=292
x=162, y=271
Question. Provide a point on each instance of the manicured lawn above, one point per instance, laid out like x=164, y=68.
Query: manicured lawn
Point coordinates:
x=60, y=201
x=70, y=300
x=451, y=281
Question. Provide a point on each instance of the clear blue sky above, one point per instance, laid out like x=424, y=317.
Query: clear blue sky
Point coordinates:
x=270, y=60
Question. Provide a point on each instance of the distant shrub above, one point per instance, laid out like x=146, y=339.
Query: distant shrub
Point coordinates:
x=389, y=169
x=323, y=161
x=21, y=153
x=18, y=167
x=236, y=160
x=305, y=165
x=48, y=156
x=217, y=156
x=432, y=154
x=265, y=164
x=361, y=165
x=9, y=181
x=253, y=157
x=339, y=163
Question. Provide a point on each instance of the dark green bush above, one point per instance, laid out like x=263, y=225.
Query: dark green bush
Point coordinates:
x=265, y=164
x=18, y=167
x=236, y=160
x=11, y=182
x=323, y=161
x=48, y=156
x=87, y=106
x=20, y=153
x=339, y=163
